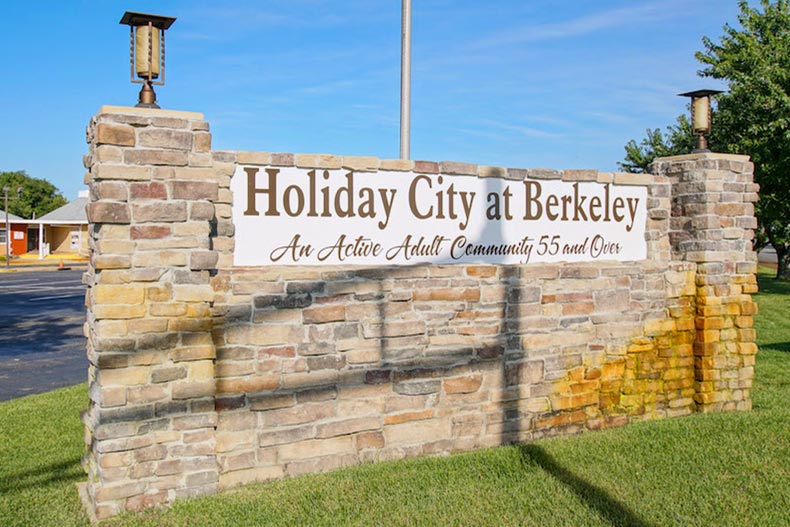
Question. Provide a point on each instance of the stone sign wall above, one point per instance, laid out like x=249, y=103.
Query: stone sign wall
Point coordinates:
x=206, y=375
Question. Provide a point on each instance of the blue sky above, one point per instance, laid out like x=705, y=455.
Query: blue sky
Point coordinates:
x=516, y=83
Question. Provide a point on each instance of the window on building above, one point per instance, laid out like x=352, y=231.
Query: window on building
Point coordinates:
x=2, y=236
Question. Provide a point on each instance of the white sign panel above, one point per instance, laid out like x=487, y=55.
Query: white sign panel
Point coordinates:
x=297, y=216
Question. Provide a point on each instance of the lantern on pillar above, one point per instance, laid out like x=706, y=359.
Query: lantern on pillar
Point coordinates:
x=147, y=53
x=700, y=117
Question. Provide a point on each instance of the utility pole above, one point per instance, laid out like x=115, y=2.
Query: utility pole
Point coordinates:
x=7, y=229
x=405, y=80
x=8, y=226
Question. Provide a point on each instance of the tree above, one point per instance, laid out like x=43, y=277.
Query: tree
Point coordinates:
x=679, y=140
x=754, y=116
x=755, y=61
x=38, y=196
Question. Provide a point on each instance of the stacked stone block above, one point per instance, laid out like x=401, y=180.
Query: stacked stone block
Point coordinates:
x=206, y=376
x=713, y=226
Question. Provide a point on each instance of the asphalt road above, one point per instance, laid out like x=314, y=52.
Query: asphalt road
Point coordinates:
x=767, y=255
x=42, y=346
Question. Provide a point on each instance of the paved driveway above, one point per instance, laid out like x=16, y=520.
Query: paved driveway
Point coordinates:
x=41, y=341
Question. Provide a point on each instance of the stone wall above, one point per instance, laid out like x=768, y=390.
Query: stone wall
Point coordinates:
x=205, y=376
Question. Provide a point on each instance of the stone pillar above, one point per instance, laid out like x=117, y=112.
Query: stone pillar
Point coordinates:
x=151, y=417
x=712, y=226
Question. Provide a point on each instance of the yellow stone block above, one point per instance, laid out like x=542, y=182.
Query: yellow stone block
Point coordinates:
x=655, y=327
x=537, y=405
x=709, y=397
x=630, y=401
x=230, y=441
x=361, y=163
x=710, y=323
x=168, y=310
x=201, y=310
x=624, y=178
x=710, y=335
x=190, y=324
x=201, y=370
x=710, y=311
x=166, y=436
x=113, y=276
x=174, y=258
x=675, y=374
x=730, y=334
x=703, y=386
x=118, y=294
x=744, y=321
x=318, y=161
x=638, y=348
x=254, y=158
x=491, y=171
x=399, y=165
x=115, y=247
x=191, y=229
x=708, y=300
x=685, y=324
x=159, y=293
x=576, y=374
x=237, y=478
x=638, y=386
x=115, y=232
x=263, y=335
x=566, y=402
x=613, y=370
x=746, y=373
x=110, y=328
x=124, y=376
x=707, y=375
x=147, y=325
x=119, y=311
x=147, y=358
x=193, y=293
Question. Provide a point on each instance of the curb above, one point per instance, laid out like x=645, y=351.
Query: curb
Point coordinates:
x=42, y=268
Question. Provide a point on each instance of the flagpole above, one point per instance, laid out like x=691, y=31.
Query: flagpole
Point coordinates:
x=405, y=80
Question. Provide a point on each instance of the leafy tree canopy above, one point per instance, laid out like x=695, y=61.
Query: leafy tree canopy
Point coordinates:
x=677, y=140
x=38, y=196
x=752, y=118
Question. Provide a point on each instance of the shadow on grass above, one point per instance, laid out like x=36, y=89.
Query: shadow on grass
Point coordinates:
x=778, y=346
x=63, y=472
x=595, y=497
x=770, y=285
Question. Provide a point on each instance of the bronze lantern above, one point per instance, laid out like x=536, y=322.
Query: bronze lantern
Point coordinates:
x=700, y=117
x=147, y=53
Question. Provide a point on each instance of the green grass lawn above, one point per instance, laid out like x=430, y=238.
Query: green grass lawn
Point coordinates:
x=715, y=469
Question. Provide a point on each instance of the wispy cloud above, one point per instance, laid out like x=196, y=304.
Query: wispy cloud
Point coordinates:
x=256, y=16
x=550, y=120
x=526, y=131
x=228, y=21
x=327, y=87
x=610, y=117
x=632, y=14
